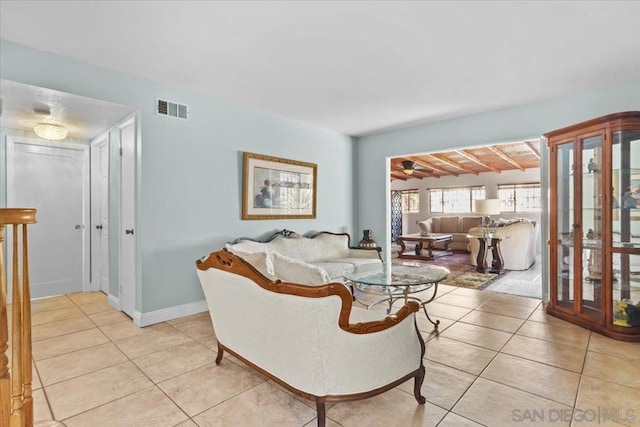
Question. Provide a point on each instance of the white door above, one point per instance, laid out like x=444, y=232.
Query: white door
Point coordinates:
x=100, y=214
x=53, y=178
x=127, y=134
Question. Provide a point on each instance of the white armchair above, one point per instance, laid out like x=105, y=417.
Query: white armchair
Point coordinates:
x=309, y=339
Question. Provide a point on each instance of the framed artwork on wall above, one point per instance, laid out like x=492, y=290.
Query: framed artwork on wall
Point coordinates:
x=276, y=188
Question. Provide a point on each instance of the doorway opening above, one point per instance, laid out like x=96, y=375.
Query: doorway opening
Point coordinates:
x=436, y=193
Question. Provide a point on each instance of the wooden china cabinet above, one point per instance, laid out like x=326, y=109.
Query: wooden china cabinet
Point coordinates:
x=595, y=224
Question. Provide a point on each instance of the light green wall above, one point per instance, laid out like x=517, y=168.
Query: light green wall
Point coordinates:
x=190, y=199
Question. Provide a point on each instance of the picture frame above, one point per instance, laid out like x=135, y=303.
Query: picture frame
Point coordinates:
x=277, y=188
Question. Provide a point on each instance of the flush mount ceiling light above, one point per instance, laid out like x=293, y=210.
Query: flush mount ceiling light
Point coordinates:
x=50, y=131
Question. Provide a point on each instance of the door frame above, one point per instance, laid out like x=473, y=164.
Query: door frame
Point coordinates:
x=86, y=194
x=96, y=172
x=129, y=307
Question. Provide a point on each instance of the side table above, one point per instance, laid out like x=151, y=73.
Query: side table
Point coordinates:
x=487, y=243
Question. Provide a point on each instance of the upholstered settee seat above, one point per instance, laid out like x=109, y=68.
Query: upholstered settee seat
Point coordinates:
x=518, y=244
x=309, y=339
x=457, y=226
x=324, y=257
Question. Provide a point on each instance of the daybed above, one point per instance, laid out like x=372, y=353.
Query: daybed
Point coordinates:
x=457, y=226
x=518, y=244
x=321, y=257
x=310, y=339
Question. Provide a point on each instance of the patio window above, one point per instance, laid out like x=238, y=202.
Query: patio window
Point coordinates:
x=454, y=200
x=519, y=197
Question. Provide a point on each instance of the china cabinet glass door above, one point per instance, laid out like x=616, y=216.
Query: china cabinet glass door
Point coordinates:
x=590, y=226
x=625, y=228
x=565, y=218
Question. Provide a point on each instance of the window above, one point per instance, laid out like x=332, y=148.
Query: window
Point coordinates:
x=458, y=200
x=519, y=197
x=410, y=201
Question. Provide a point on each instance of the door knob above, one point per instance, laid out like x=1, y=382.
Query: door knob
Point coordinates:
x=99, y=227
x=128, y=231
x=78, y=227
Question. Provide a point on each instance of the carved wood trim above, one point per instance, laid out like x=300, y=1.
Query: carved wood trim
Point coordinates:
x=226, y=261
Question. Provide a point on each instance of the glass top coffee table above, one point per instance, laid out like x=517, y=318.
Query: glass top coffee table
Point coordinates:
x=398, y=282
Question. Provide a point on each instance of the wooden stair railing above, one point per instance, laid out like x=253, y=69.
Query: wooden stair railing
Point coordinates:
x=16, y=401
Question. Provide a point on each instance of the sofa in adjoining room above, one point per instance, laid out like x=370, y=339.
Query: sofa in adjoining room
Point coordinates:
x=457, y=226
x=321, y=257
x=518, y=244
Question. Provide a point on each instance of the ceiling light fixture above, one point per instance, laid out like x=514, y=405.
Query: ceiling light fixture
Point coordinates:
x=50, y=131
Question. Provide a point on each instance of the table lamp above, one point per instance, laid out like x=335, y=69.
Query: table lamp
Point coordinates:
x=486, y=208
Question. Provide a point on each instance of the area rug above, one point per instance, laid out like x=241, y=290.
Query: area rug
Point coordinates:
x=470, y=279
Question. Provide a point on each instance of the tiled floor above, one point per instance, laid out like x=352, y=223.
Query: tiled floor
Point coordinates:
x=526, y=283
x=498, y=360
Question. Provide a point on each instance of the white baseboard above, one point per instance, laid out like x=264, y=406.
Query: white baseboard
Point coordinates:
x=113, y=302
x=164, y=314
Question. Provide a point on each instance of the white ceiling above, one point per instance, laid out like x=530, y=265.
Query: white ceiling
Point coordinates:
x=85, y=118
x=356, y=67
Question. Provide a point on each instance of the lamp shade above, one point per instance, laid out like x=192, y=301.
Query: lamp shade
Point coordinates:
x=487, y=207
x=50, y=131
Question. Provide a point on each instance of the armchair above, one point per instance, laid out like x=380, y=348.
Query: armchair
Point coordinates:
x=309, y=339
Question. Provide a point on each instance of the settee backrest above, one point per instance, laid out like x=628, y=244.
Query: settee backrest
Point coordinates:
x=268, y=328
x=450, y=224
x=323, y=246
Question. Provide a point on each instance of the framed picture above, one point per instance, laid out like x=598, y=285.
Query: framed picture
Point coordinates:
x=275, y=188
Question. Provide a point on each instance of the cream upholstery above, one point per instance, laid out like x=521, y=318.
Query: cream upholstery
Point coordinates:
x=298, y=340
x=457, y=226
x=518, y=246
x=325, y=251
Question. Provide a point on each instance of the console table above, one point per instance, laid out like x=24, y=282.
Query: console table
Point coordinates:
x=487, y=243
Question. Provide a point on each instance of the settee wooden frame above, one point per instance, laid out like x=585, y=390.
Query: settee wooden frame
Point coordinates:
x=226, y=261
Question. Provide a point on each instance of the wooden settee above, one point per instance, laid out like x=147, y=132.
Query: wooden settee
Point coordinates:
x=310, y=339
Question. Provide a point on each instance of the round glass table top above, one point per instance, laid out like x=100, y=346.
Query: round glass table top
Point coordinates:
x=404, y=274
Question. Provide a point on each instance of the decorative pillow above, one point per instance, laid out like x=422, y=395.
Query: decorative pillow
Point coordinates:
x=294, y=271
x=260, y=260
x=424, y=228
x=502, y=222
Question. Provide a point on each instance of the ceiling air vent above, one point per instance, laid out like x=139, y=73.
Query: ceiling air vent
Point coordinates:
x=172, y=109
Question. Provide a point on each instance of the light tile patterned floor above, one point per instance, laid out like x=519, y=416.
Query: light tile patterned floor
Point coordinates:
x=498, y=360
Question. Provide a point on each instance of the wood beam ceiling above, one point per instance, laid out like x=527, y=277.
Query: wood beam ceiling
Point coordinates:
x=449, y=162
x=533, y=149
x=506, y=158
x=474, y=159
x=424, y=164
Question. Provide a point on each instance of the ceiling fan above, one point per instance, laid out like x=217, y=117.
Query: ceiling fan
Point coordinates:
x=409, y=167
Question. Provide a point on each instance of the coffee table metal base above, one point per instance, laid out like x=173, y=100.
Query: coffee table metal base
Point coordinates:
x=395, y=293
